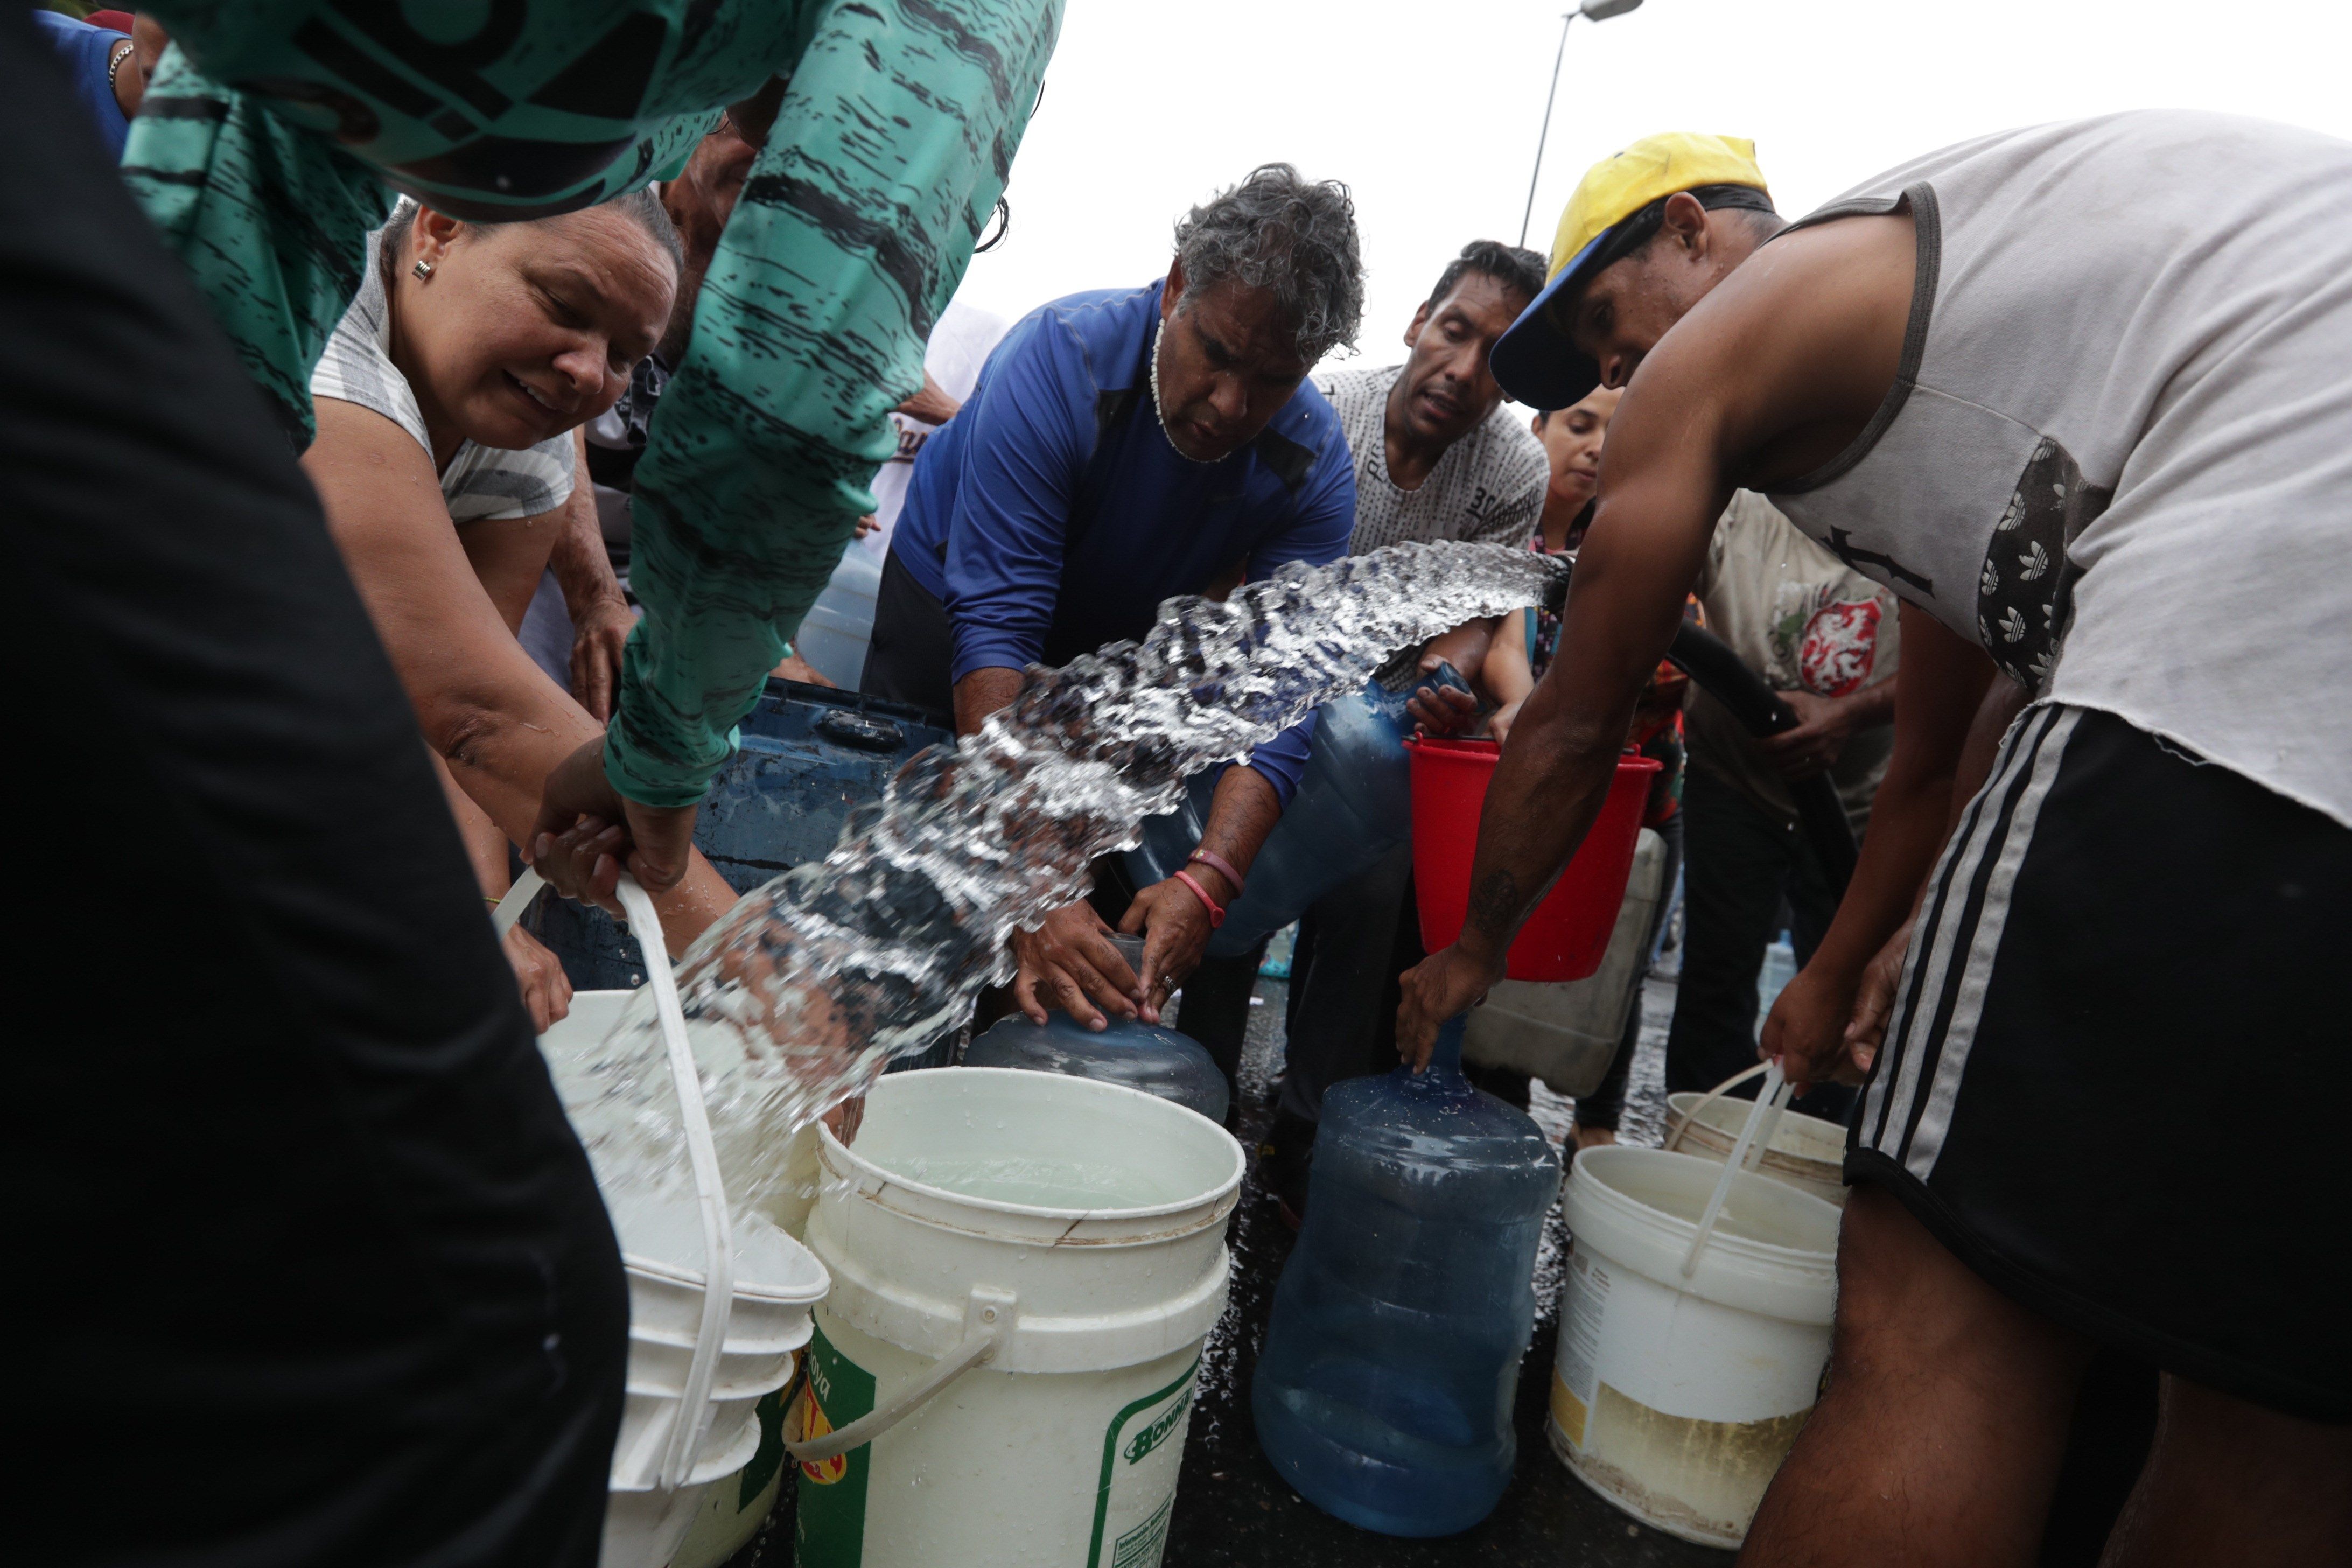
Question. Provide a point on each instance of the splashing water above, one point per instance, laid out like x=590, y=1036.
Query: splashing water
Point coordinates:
x=806, y=989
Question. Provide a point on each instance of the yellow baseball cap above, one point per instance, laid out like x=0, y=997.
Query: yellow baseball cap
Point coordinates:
x=1609, y=216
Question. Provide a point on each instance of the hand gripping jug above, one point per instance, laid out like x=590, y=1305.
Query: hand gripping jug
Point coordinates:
x=1132, y=1052
x=1384, y=1392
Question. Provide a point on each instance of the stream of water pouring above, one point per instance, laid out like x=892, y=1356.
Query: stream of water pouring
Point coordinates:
x=813, y=982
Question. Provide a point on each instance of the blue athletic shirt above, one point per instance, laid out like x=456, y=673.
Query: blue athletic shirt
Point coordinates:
x=1052, y=515
x=85, y=51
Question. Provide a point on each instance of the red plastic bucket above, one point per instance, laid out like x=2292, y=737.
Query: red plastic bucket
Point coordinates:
x=1568, y=935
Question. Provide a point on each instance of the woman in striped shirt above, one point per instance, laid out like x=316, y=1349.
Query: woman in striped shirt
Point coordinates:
x=447, y=401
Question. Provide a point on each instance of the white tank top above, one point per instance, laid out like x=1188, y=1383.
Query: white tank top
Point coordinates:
x=2118, y=454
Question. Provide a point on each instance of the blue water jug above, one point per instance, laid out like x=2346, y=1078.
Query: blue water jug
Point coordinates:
x=1155, y=1060
x=1353, y=804
x=1129, y=1051
x=1384, y=1392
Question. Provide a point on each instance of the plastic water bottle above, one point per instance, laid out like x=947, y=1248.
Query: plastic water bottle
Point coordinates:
x=1384, y=1392
x=1139, y=1055
x=1353, y=804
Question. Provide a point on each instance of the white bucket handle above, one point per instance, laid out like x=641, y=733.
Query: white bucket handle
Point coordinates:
x=718, y=1226
x=1674, y=1139
x=988, y=1319
x=1756, y=1133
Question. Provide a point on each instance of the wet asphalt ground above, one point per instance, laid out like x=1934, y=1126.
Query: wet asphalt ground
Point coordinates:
x=1232, y=1507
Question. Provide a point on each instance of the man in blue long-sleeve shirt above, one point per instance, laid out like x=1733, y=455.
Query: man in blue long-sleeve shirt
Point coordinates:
x=1121, y=448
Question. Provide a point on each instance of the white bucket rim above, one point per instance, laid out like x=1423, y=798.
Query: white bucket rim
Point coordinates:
x=738, y=1453
x=672, y=1339
x=1684, y=1102
x=757, y=1289
x=833, y=1147
x=1608, y=1154
x=719, y=1389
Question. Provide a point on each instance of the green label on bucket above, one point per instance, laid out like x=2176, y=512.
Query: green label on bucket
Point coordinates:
x=829, y=1526
x=1143, y=1449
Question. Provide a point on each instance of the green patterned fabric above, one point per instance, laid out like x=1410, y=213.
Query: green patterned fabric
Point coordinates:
x=276, y=130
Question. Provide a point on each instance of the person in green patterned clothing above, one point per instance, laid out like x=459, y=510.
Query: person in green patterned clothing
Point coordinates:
x=276, y=133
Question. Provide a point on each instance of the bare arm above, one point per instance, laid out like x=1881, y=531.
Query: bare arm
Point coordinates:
x=1825, y=726
x=501, y=725
x=1942, y=682
x=2004, y=700
x=1170, y=914
x=1769, y=376
x=1446, y=710
x=601, y=616
x=538, y=974
x=981, y=694
x=508, y=555
x=1464, y=647
x=1623, y=606
x=1068, y=962
x=931, y=404
x=1508, y=676
x=1873, y=998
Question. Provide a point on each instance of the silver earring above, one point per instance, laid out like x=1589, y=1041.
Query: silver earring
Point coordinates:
x=423, y=269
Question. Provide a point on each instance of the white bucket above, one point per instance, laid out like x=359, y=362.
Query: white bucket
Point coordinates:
x=1025, y=1267
x=719, y=1306
x=1566, y=1032
x=1676, y=1398
x=734, y=1506
x=1806, y=1151
x=727, y=1521
x=776, y=1282
x=794, y=1194
x=645, y=1524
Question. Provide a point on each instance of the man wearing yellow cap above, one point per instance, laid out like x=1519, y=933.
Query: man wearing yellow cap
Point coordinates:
x=2075, y=396
x=1616, y=211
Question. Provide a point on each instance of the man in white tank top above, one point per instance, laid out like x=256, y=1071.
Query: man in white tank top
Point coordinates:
x=2080, y=397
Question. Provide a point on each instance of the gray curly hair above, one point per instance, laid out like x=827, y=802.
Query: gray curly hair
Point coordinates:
x=1279, y=231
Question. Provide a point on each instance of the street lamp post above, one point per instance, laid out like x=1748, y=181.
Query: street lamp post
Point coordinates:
x=1598, y=11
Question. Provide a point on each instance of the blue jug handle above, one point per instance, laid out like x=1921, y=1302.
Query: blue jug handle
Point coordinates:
x=1445, y=1056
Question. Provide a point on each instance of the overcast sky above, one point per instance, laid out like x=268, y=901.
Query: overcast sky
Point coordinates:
x=1428, y=108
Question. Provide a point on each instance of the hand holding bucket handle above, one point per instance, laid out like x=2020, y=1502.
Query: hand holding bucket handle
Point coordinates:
x=702, y=1155
x=987, y=1317
x=1756, y=1133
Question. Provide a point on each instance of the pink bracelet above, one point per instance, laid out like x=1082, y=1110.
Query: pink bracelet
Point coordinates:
x=1217, y=915
x=1222, y=868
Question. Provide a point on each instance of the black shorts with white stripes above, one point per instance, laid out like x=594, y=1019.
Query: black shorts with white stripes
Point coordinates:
x=2115, y=1079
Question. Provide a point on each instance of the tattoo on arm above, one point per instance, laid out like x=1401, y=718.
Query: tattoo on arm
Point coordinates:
x=1496, y=906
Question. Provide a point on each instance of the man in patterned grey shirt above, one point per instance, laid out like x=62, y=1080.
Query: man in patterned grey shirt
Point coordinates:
x=1436, y=456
